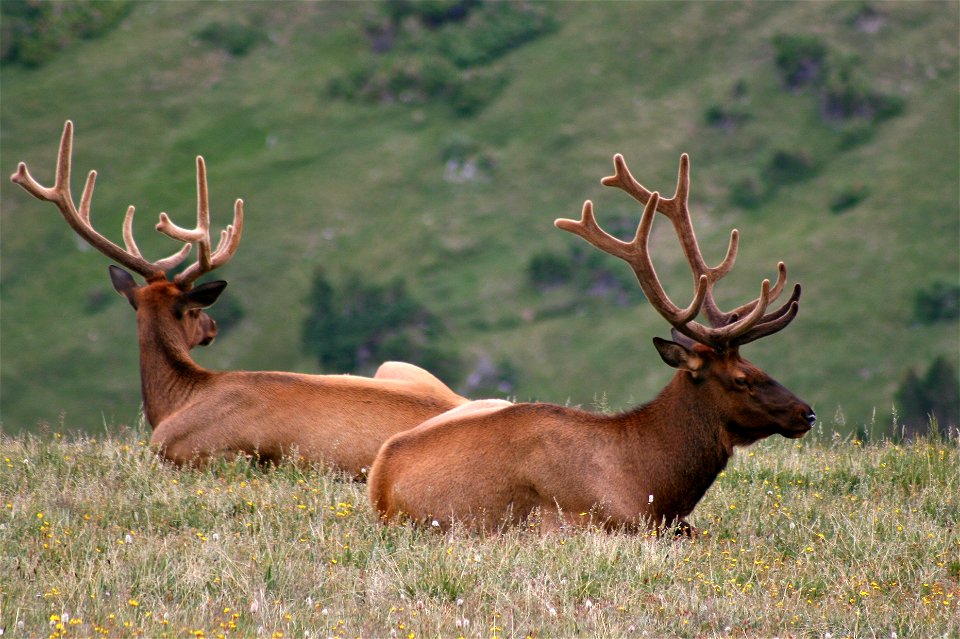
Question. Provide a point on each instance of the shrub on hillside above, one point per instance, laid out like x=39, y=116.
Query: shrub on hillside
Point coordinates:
x=726, y=117
x=546, y=269
x=843, y=88
x=32, y=33
x=236, y=38
x=856, y=133
x=441, y=51
x=732, y=112
x=800, y=59
x=939, y=302
x=432, y=13
x=848, y=198
x=934, y=396
x=491, y=32
x=356, y=327
x=782, y=169
x=587, y=274
x=846, y=93
x=476, y=90
x=787, y=167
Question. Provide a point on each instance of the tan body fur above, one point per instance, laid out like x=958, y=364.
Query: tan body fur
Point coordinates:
x=499, y=466
x=340, y=420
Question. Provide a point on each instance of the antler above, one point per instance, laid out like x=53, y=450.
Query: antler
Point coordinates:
x=229, y=237
x=744, y=324
x=79, y=219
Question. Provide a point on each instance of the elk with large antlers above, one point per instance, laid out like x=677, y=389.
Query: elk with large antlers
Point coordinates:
x=491, y=466
x=195, y=413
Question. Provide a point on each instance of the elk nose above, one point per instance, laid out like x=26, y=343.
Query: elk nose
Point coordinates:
x=812, y=419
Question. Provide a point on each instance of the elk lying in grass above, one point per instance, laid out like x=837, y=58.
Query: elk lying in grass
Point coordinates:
x=493, y=466
x=195, y=413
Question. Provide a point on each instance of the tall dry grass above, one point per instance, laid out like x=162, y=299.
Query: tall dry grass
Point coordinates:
x=825, y=537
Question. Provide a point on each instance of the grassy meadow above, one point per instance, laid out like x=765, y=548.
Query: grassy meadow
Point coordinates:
x=828, y=536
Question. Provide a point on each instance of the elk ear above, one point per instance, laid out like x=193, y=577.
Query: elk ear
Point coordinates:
x=678, y=355
x=124, y=284
x=203, y=296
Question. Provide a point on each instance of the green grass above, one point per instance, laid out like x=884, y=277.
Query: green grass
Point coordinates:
x=150, y=95
x=823, y=536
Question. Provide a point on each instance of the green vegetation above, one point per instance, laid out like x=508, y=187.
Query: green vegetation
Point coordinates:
x=939, y=302
x=359, y=326
x=933, y=398
x=236, y=38
x=33, y=33
x=458, y=202
x=800, y=59
x=809, y=538
x=441, y=50
x=841, y=82
x=848, y=198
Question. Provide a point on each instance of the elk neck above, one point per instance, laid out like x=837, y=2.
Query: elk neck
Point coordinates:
x=169, y=377
x=688, y=436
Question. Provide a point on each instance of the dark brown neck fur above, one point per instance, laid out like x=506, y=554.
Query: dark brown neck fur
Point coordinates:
x=690, y=440
x=168, y=375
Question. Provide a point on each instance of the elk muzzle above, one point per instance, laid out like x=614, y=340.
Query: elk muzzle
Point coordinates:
x=805, y=421
x=206, y=330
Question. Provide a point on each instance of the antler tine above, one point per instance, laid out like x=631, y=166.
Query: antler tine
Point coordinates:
x=79, y=219
x=727, y=329
x=167, y=263
x=772, y=322
x=775, y=292
x=727, y=334
x=636, y=254
x=588, y=229
x=229, y=237
x=675, y=209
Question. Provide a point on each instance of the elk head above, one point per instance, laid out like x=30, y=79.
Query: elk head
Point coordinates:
x=198, y=328
x=749, y=403
x=173, y=303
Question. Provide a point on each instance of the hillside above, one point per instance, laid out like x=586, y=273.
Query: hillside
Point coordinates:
x=858, y=197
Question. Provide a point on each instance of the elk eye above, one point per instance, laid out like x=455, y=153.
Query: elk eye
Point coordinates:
x=742, y=382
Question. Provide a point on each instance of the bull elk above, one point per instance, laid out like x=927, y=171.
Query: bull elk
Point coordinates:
x=489, y=466
x=196, y=413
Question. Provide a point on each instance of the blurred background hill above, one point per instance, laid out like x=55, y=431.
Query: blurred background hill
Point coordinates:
x=402, y=164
